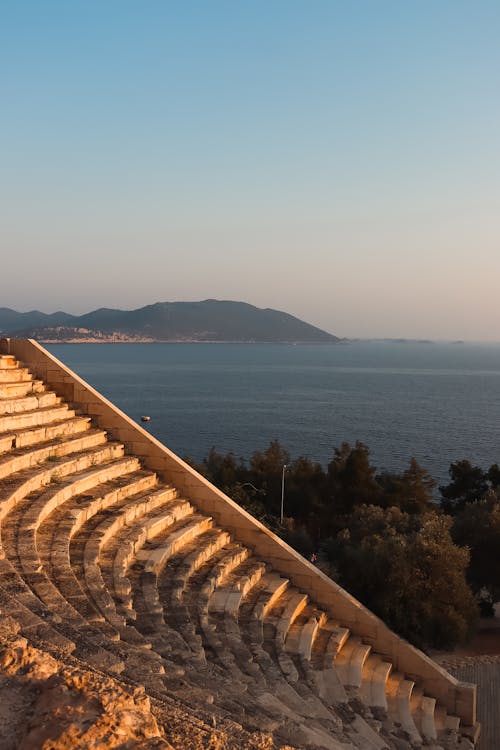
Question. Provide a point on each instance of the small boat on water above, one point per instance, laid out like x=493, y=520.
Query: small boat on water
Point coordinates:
x=145, y=418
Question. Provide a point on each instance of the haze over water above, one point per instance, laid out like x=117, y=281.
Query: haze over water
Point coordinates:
x=436, y=402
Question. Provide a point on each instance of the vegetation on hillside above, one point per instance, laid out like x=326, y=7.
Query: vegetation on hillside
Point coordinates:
x=208, y=320
x=426, y=567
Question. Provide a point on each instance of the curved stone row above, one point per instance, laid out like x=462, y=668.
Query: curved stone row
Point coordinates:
x=100, y=559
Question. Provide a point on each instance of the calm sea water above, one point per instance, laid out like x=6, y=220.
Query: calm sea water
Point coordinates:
x=437, y=402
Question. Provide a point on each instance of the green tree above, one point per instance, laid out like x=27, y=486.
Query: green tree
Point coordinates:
x=266, y=470
x=304, y=493
x=477, y=527
x=351, y=479
x=223, y=469
x=468, y=485
x=411, y=491
x=407, y=569
x=494, y=476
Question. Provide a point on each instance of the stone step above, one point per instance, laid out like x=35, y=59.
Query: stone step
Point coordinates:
x=350, y=660
x=241, y=635
x=29, y=529
x=154, y=560
x=275, y=587
x=25, y=458
x=367, y=737
x=265, y=594
x=80, y=641
x=252, y=651
x=198, y=593
x=123, y=548
x=171, y=593
x=196, y=600
x=444, y=722
x=126, y=512
x=327, y=645
x=7, y=362
x=121, y=491
x=44, y=434
x=199, y=553
x=70, y=476
x=294, y=603
x=302, y=734
x=20, y=388
x=275, y=628
x=422, y=709
x=125, y=515
x=35, y=418
x=308, y=662
x=39, y=630
x=304, y=631
x=161, y=613
x=36, y=578
x=399, y=691
x=329, y=687
x=374, y=682
x=9, y=406
x=255, y=625
x=221, y=571
x=15, y=375
x=67, y=522
x=96, y=645
x=228, y=598
x=336, y=642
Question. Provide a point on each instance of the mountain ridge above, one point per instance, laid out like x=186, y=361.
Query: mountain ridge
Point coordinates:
x=209, y=320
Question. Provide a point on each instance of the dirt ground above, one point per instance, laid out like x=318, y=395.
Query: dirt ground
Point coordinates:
x=486, y=639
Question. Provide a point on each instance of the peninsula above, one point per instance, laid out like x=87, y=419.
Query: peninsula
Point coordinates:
x=206, y=321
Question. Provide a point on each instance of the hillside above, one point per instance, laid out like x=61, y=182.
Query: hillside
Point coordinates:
x=209, y=320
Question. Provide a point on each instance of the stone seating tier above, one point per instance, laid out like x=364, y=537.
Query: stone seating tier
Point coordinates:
x=103, y=557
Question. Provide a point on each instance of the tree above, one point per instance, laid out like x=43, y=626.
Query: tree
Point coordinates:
x=266, y=471
x=223, y=469
x=477, y=527
x=304, y=492
x=407, y=569
x=351, y=479
x=418, y=485
x=411, y=491
x=468, y=485
x=270, y=461
x=494, y=476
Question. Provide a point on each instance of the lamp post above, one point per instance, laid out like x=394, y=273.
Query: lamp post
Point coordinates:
x=282, y=492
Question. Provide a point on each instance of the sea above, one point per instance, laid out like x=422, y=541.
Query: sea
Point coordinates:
x=437, y=402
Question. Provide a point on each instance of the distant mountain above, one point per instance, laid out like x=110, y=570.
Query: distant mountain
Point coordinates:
x=11, y=321
x=210, y=320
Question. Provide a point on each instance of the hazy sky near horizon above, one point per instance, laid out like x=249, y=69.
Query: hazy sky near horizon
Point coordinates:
x=337, y=160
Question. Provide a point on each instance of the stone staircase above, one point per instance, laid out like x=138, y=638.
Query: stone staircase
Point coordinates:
x=102, y=558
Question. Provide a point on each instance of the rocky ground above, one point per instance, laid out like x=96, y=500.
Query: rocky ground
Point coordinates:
x=52, y=704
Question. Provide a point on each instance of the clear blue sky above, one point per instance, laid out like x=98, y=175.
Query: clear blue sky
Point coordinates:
x=338, y=160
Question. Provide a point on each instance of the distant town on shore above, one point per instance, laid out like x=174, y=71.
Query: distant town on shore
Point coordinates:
x=206, y=321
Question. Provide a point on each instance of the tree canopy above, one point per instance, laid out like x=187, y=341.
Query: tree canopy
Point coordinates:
x=468, y=484
x=417, y=564
x=406, y=568
x=477, y=527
